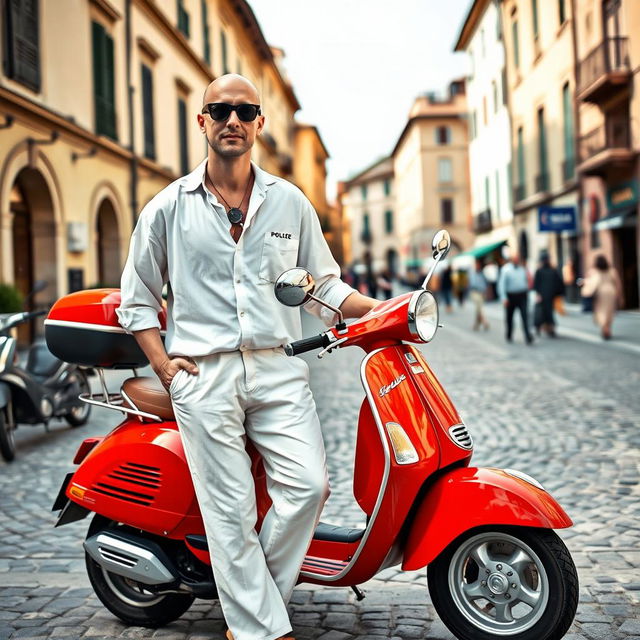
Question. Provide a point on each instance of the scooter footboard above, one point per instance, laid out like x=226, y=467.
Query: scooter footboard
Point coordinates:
x=463, y=499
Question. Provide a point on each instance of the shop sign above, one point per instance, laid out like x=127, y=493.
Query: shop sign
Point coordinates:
x=622, y=195
x=556, y=219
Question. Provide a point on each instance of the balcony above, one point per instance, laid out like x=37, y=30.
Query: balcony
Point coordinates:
x=519, y=193
x=482, y=222
x=542, y=182
x=606, y=147
x=605, y=71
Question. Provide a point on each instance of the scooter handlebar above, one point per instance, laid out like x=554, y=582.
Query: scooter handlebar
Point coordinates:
x=307, y=344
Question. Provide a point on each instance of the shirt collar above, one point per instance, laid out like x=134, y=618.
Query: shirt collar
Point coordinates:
x=196, y=178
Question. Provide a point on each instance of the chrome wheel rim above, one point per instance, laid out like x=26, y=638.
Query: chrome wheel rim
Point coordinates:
x=499, y=583
x=129, y=591
x=80, y=411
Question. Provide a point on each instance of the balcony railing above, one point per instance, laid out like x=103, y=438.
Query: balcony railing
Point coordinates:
x=482, y=222
x=614, y=134
x=542, y=182
x=519, y=193
x=606, y=67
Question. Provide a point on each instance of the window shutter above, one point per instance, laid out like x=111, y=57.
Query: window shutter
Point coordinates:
x=23, y=46
x=97, y=34
x=147, y=115
x=110, y=93
x=182, y=132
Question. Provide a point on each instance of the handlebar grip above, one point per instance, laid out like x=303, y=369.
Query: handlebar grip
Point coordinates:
x=307, y=344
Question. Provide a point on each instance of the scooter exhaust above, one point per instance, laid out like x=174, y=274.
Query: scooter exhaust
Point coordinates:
x=132, y=557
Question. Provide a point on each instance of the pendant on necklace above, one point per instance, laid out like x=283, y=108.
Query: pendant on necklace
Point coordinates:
x=235, y=215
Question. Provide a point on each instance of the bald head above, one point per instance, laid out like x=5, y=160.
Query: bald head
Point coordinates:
x=229, y=85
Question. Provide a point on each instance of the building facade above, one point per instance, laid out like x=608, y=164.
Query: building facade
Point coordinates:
x=368, y=208
x=431, y=169
x=609, y=135
x=98, y=104
x=489, y=127
x=540, y=62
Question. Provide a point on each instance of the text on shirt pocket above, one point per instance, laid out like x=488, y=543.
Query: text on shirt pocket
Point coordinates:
x=279, y=253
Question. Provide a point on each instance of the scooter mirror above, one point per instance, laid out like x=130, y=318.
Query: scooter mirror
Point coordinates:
x=441, y=244
x=294, y=287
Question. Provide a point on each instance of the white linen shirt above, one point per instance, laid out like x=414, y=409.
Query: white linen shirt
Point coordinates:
x=220, y=294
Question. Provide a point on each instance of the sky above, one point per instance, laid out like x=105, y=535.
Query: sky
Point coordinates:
x=357, y=65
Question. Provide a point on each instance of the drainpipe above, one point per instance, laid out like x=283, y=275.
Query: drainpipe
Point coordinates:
x=576, y=137
x=133, y=169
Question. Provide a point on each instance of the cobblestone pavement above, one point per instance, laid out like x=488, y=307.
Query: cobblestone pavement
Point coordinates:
x=565, y=411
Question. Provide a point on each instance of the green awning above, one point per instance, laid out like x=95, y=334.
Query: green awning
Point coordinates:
x=412, y=263
x=478, y=252
x=625, y=218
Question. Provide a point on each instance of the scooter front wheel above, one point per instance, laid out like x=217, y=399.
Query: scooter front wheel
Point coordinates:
x=7, y=440
x=506, y=583
x=130, y=600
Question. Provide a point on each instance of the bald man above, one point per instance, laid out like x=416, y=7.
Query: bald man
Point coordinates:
x=218, y=238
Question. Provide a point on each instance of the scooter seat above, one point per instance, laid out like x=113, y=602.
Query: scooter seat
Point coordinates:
x=147, y=394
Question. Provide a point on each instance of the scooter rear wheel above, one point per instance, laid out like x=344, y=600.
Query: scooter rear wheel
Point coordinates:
x=7, y=440
x=78, y=415
x=128, y=599
x=505, y=583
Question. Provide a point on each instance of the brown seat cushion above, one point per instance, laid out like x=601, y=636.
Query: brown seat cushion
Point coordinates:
x=148, y=394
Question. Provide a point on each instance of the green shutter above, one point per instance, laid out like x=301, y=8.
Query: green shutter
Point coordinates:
x=542, y=143
x=205, y=32
x=147, y=113
x=110, y=93
x=521, y=171
x=567, y=108
x=223, y=46
x=516, y=44
x=388, y=219
x=103, y=81
x=23, y=42
x=182, y=133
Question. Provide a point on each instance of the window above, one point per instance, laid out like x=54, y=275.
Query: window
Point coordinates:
x=205, y=32
x=446, y=210
x=22, y=42
x=363, y=191
x=567, y=110
x=365, y=225
x=521, y=173
x=387, y=187
x=516, y=44
x=504, y=86
x=183, y=19
x=562, y=11
x=388, y=221
x=542, y=152
x=443, y=135
x=182, y=135
x=445, y=170
x=223, y=52
x=103, y=81
x=534, y=14
x=147, y=113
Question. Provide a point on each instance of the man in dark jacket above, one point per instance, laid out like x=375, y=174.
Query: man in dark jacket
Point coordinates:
x=548, y=284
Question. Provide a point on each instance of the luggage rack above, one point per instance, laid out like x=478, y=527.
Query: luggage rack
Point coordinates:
x=115, y=400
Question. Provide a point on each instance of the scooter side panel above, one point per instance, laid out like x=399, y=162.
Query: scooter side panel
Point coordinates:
x=463, y=499
x=137, y=475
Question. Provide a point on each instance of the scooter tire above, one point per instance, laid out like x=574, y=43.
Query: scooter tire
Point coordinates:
x=7, y=442
x=551, y=568
x=78, y=418
x=126, y=599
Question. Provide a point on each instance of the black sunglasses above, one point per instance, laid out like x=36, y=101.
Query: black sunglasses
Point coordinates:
x=221, y=111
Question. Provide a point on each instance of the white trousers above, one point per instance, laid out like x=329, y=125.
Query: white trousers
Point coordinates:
x=263, y=395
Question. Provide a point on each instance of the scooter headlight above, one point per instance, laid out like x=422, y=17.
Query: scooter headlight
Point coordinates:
x=423, y=316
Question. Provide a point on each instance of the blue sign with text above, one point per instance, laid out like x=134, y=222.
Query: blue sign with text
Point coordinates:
x=556, y=219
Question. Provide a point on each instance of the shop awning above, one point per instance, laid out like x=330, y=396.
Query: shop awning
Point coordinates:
x=624, y=218
x=478, y=252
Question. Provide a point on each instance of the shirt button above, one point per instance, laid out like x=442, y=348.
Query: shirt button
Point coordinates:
x=242, y=313
x=238, y=280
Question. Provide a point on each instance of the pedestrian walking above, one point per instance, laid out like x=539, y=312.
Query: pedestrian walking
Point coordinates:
x=602, y=284
x=461, y=285
x=513, y=290
x=219, y=237
x=446, y=287
x=548, y=285
x=384, y=283
x=478, y=290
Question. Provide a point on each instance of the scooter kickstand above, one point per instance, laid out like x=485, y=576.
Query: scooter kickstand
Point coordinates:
x=359, y=594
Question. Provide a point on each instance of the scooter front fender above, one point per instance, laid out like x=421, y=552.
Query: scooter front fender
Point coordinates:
x=464, y=499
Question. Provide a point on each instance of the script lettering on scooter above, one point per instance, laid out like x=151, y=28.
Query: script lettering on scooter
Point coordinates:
x=384, y=390
x=278, y=234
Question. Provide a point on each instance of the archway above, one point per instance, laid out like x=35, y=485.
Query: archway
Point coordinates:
x=107, y=245
x=33, y=239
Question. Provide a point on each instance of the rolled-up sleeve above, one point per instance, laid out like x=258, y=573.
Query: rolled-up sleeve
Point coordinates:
x=144, y=275
x=315, y=256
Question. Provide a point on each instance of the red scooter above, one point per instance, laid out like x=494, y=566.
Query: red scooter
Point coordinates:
x=496, y=570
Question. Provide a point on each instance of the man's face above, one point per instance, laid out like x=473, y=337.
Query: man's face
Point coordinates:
x=232, y=137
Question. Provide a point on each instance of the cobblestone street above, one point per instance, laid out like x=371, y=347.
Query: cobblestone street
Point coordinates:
x=565, y=411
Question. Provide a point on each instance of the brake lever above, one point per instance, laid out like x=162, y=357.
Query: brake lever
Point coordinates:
x=333, y=345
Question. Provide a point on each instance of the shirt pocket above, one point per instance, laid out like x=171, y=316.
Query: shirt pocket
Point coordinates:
x=279, y=253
